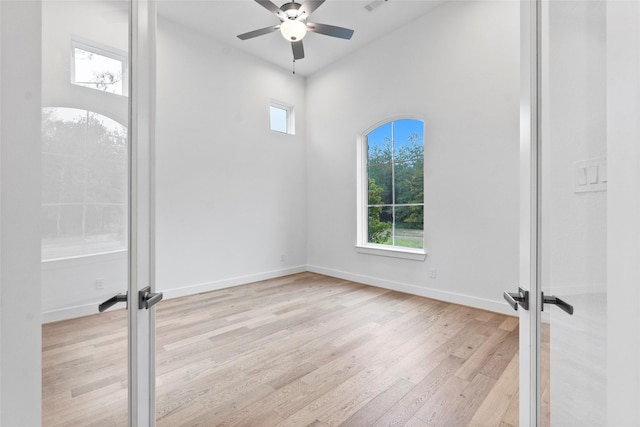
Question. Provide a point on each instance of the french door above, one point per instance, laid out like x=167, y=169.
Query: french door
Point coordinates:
x=97, y=195
x=97, y=156
x=580, y=210
x=577, y=302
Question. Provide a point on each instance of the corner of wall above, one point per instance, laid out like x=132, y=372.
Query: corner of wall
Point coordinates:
x=426, y=292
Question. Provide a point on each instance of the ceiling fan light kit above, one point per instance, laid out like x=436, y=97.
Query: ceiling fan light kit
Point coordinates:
x=294, y=26
x=293, y=30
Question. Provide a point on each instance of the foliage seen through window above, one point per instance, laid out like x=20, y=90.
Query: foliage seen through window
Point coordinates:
x=395, y=176
x=84, y=183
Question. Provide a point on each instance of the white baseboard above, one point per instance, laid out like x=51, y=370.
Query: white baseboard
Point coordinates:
x=92, y=308
x=70, y=312
x=227, y=283
x=475, y=302
x=495, y=306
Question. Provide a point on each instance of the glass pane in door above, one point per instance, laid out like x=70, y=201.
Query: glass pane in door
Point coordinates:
x=574, y=212
x=84, y=160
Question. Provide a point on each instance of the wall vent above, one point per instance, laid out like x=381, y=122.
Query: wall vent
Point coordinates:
x=374, y=4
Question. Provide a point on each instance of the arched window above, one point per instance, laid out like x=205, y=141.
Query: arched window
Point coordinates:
x=84, y=183
x=392, y=186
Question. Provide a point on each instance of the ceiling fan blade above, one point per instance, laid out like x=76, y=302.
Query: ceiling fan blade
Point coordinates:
x=330, y=30
x=272, y=8
x=260, y=32
x=298, y=50
x=308, y=7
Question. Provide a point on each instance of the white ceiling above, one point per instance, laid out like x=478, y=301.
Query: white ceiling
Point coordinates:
x=225, y=19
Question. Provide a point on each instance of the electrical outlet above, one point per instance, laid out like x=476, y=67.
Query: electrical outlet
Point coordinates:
x=433, y=273
x=99, y=283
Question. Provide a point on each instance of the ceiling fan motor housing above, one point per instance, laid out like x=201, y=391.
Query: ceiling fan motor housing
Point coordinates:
x=291, y=9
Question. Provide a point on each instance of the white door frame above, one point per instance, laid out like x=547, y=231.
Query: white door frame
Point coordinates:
x=530, y=211
x=141, y=211
x=20, y=189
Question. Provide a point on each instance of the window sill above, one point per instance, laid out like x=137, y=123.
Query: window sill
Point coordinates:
x=84, y=257
x=393, y=252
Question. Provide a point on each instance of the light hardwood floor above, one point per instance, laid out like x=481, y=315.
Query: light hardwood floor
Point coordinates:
x=302, y=350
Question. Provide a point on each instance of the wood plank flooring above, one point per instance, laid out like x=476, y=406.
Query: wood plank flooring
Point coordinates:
x=302, y=350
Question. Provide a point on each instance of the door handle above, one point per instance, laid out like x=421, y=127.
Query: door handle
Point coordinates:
x=520, y=298
x=147, y=299
x=112, y=301
x=563, y=305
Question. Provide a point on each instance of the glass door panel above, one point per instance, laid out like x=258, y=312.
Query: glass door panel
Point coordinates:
x=577, y=124
x=85, y=210
x=581, y=101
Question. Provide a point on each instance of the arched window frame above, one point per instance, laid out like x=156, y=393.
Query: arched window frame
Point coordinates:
x=363, y=245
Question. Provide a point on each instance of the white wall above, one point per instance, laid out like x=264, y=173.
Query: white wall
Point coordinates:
x=458, y=68
x=20, y=336
x=230, y=192
x=69, y=285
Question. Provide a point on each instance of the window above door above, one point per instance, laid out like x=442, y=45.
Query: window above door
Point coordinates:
x=99, y=67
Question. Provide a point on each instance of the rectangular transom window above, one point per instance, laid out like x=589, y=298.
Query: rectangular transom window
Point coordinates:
x=99, y=67
x=281, y=117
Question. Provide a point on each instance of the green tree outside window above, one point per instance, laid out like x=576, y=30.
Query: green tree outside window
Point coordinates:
x=395, y=176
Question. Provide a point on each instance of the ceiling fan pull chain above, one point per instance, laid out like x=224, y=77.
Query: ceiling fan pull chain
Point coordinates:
x=294, y=66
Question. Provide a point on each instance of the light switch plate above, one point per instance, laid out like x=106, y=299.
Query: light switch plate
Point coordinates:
x=590, y=175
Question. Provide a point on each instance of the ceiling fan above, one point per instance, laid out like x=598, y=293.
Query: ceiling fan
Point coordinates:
x=294, y=26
